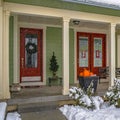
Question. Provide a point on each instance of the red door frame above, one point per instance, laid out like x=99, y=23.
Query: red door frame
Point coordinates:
x=91, y=49
x=24, y=72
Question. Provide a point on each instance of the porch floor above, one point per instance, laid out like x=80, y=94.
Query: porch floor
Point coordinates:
x=30, y=92
x=51, y=91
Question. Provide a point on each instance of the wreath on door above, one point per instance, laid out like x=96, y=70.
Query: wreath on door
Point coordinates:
x=31, y=48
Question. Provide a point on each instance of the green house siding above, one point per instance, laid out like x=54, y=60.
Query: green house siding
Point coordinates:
x=69, y=6
x=54, y=44
x=71, y=56
x=11, y=50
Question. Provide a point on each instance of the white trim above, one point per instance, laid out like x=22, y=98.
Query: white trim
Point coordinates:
x=42, y=25
x=92, y=30
x=31, y=84
x=44, y=55
x=1, y=52
x=46, y=11
x=15, y=52
x=31, y=79
x=38, y=26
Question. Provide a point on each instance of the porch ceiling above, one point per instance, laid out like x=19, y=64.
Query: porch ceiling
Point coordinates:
x=58, y=21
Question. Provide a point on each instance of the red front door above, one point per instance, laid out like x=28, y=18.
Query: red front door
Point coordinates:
x=91, y=51
x=30, y=54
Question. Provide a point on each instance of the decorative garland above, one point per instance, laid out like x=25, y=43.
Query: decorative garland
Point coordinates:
x=31, y=48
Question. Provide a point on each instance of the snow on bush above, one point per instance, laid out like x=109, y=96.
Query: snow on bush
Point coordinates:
x=85, y=98
x=113, y=93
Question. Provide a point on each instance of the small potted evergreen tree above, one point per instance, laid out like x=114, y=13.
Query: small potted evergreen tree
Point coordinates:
x=53, y=65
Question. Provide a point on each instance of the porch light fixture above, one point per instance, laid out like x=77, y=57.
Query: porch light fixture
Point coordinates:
x=76, y=22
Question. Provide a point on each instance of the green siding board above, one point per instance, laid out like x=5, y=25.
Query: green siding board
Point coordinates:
x=71, y=56
x=54, y=43
x=11, y=50
x=69, y=6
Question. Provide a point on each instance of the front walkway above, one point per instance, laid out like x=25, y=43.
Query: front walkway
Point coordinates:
x=44, y=115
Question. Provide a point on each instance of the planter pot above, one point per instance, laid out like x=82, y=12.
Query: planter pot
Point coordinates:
x=85, y=82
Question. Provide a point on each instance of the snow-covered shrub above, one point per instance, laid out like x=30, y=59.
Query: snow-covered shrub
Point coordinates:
x=85, y=98
x=76, y=93
x=90, y=90
x=113, y=93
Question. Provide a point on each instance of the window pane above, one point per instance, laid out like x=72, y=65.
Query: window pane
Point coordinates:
x=83, y=52
x=97, y=52
x=31, y=51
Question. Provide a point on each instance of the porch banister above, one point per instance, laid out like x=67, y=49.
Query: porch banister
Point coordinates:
x=5, y=66
x=66, y=55
x=112, y=53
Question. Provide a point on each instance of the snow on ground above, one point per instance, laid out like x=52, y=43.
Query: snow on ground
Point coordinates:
x=3, y=106
x=79, y=113
x=10, y=116
x=13, y=116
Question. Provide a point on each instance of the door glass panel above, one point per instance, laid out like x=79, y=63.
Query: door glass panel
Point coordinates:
x=83, y=52
x=97, y=52
x=31, y=51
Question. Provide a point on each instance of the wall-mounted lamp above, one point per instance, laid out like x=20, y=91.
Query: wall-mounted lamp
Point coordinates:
x=76, y=22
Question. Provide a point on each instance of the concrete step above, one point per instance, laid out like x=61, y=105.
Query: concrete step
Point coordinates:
x=37, y=99
x=38, y=107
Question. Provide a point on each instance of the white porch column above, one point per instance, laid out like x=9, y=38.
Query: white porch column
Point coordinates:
x=1, y=55
x=5, y=66
x=112, y=53
x=66, y=56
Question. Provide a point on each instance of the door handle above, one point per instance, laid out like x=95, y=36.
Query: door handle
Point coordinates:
x=22, y=62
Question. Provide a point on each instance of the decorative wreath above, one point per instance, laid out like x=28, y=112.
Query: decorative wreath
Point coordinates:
x=31, y=48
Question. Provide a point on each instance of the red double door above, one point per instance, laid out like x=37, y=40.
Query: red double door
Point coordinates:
x=91, y=51
x=31, y=55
